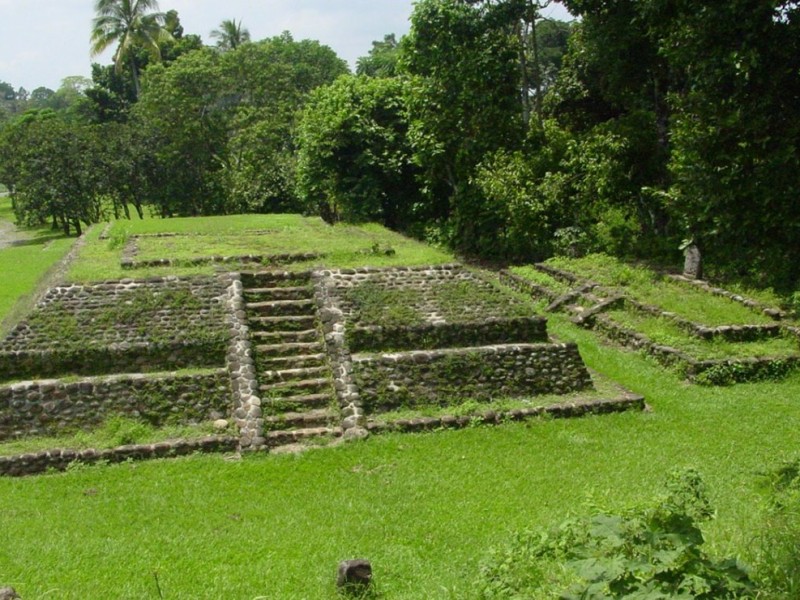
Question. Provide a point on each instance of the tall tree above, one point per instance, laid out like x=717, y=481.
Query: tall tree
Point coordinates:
x=354, y=159
x=230, y=35
x=382, y=58
x=462, y=103
x=131, y=24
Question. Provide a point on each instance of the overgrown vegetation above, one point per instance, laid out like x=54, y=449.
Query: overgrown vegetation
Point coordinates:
x=644, y=553
x=133, y=316
x=115, y=431
x=458, y=301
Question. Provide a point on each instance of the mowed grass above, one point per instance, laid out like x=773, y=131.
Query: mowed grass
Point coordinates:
x=23, y=265
x=424, y=508
x=343, y=245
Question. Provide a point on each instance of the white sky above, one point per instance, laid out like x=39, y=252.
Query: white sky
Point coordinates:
x=43, y=41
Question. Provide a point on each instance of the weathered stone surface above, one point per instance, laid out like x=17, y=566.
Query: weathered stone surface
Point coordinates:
x=47, y=407
x=8, y=593
x=355, y=574
x=355, y=433
x=692, y=262
x=423, y=377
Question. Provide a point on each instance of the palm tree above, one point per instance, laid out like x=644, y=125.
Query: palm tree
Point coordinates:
x=131, y=24
x=230, y=35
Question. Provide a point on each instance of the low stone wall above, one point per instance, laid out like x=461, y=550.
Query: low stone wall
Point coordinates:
x=389, y=381
x=247, y=412
x=49, y=407
x=448, y=335
x=713, y=372
x=520, y=284
x=59, y=459
x=259, y=259
x=131, y=311
x=143, y=325
x=627, y=401
x=770, y=311
x=123, y=358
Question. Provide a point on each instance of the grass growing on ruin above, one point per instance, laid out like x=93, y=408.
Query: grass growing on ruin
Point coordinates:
x=604, y=388
x=342, y=245
x=424, y=508
x=454, y=301
x=664, y=332
x=116, y=431
x=533, y=275
x=649, y=287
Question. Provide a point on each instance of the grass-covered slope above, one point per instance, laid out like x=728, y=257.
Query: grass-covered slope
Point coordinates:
x=342, y=245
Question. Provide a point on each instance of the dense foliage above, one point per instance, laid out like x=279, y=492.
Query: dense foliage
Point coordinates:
x=489, y=128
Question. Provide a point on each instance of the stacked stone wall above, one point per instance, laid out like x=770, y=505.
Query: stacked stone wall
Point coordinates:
x=61, y=458
x=48, y=407
x=407, y=379
x=449, y=335
x=486, y=303
x=130, y=325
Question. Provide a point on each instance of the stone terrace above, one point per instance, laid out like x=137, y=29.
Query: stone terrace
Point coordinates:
x=283, y=356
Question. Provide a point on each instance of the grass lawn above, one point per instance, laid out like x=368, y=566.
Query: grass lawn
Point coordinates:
x=343, y=245
x=23, y=265
x=424, y=507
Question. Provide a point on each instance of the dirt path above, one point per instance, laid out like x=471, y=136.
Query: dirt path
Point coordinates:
x=9, y=234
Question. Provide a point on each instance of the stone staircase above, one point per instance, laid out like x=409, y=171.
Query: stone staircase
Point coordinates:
x=292, y=369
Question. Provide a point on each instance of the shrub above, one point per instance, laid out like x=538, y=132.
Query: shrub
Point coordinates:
x=647, y=553
x=776, y=553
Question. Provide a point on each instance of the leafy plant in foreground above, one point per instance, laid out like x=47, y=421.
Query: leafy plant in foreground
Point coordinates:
x=645, y=554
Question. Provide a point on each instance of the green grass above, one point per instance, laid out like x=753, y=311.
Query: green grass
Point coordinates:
x=533, y=275
x=423, y=508
x=22, y=266
x=117, y=431
x=649, y=287
x=665, y=332
x=456, y=301
x=343, y=245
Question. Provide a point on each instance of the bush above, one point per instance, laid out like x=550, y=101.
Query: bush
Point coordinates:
x=777, y=554
x=647, y=553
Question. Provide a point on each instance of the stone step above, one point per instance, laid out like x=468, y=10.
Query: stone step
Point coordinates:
x=288, y=388
x=294, y=374
x=275, y=278
x=283, y=307
x=285, y=337
x=274, y=363
x=318, y=417
x=282, y=438
x=282, y=323
x=288, y=349
x=296, y=403
x=263, y=294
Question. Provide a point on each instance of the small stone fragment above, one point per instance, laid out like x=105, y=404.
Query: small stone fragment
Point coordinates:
x=355, y=433
x=355, y=575
x=9, y=593
x=220, y=424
